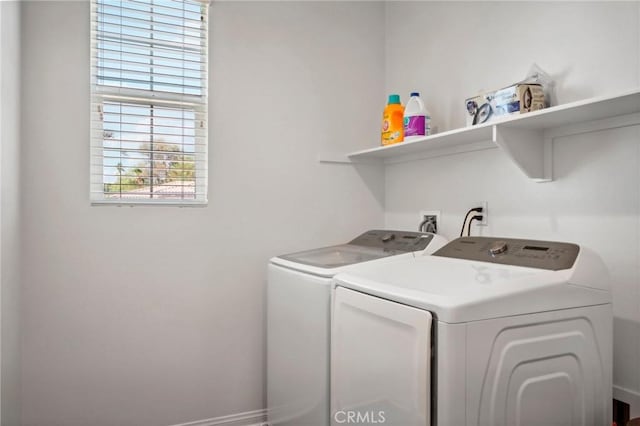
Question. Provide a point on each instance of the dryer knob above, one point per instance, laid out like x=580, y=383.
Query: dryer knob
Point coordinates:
x=388, y=237
x=497, y=248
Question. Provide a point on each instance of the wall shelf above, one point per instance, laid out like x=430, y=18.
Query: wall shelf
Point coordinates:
x=526, y=139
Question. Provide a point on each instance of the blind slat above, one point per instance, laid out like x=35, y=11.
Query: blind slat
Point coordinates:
x=198, y=182
x=145, y=41
x=151, y=67
x=153, y=32
x=130, y=7
x=143, y=51
x=100, y=137
x=162, y=8
x=169, y=101
x=157, y=86
x=106, y=17
x=155, y=61
x=190, y=161
x=149, y=74
x=166, y=120
x=144, y=133
x=145, y=15
x=134, y=136
x=146, y=124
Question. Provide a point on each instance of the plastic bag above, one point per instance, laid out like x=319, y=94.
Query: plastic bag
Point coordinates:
x=537, y=75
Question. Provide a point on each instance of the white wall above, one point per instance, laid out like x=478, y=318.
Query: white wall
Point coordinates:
x=10, y=210
x=137, y=316
x=449, y=51
x=154, y=316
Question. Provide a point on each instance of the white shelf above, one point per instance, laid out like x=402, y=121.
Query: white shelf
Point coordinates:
x=527, y=139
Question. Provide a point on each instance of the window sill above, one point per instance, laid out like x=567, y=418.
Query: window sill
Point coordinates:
x=159, y=203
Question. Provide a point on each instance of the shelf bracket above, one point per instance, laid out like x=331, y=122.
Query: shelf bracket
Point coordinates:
x=332, y=157
x=530, y=149
x=345, y=159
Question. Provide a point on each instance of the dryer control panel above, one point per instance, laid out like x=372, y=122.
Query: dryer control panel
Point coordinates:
x=550, y=255
x=400, y=241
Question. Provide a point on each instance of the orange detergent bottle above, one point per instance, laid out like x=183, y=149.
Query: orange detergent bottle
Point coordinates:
x=393, y=121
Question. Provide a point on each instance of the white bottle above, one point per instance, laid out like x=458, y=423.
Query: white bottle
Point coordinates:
x=417, y=120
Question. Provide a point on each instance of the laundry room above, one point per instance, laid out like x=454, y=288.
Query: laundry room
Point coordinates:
x=206, y=217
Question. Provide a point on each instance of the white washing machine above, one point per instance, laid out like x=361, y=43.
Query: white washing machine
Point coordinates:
x=298, y=315
x=486, y=331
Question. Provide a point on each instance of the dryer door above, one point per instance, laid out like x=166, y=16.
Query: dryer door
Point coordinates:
x=380, y=361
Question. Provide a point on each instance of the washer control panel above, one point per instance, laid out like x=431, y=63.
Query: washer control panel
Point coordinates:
x=397, y=241
x=550, y=255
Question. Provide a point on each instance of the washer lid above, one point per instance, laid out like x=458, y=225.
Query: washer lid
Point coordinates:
x=337, y=256
x=371, y=245
x=328, y=261
x=459, y=290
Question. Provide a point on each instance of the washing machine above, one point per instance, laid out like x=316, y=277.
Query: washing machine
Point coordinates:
x=486, y=331
x=298, y=315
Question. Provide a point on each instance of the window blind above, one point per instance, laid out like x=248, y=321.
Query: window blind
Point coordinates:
x=149, y=101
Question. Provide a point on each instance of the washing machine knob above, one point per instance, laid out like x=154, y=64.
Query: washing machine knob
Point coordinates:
x=497, y=247
x=388, y=237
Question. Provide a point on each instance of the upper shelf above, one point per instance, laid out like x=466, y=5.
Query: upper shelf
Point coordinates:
x=525, y=138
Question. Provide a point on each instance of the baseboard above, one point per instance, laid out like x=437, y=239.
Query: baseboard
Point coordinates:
x=629, y=396
x=250, y=418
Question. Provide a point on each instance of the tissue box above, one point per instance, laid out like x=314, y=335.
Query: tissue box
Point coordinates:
x=516, y=99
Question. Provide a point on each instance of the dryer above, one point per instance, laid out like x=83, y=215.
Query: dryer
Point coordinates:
x=486, y=331
x=298, y=318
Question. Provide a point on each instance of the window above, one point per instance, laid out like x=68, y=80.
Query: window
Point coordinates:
x=149, y=101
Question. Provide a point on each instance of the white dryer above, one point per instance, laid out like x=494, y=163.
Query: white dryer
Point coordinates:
x=486, y=331
x=298, y=318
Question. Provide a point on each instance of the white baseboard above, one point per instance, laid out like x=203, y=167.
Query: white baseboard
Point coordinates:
x=629, y=396
x=250, y=418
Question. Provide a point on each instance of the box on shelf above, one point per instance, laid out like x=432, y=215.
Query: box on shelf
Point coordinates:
x=516, y=99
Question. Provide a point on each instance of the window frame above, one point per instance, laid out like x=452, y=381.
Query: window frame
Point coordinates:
x=198, y=104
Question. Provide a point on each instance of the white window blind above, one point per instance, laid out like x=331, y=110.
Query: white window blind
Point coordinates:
x=149, y=101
